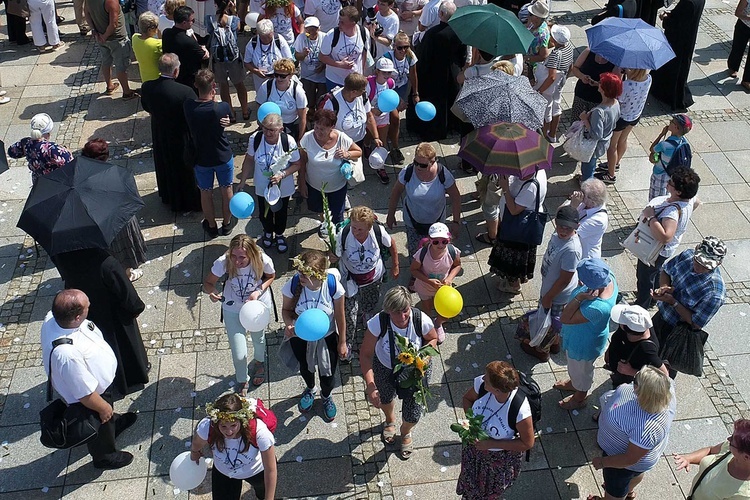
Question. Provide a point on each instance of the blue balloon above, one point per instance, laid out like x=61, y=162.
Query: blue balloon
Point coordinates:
x=242, y=205
x=388, y=100
x=312, y=325
x=268, y=108
x=425, y=110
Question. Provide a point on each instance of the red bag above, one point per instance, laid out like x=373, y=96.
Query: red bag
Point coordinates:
x=266, y=415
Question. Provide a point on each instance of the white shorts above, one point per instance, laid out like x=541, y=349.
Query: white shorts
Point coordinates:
x=553, y=94
x=581, y=373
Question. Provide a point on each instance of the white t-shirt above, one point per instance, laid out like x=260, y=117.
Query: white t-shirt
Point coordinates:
x=478, y=70
x=348, y=47
x=289, y=101
x=238, y=289
x=165, y=23
x=282, y=24
x=390, y=25
x=327, y=12
x=527, y=196
x=429, y=17
x=361, y=258
x=410, y=26
x=383, y=118
x=352, y=116
x=80, y=369
x=263, y=56
x=232, y=462
x=426, y=199
x=265, y=157
x=495, y=422
x=401, y=75
x=314, y=299
x=592, y=225
x=322, y=167
x=665, y=211
x=383, y=346
x=310, y=63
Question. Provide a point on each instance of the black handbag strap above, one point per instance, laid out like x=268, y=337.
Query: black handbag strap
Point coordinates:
x=537, y=201
x=706, y=471
x=55, y=344
x=627, y=361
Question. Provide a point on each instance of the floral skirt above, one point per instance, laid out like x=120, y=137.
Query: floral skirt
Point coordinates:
x=485, y=475
x=514, y=261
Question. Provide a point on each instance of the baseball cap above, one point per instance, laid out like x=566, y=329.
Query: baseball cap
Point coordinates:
x=710, y=252
x=385, y=64
x=635, y=318
x=312, y=22
x=439, y=230
x=567, y=216
x=561, y=34
x=594, y=273
x=683, y=121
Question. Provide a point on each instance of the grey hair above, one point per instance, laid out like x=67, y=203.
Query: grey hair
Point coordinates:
x=595, y=190
x=147, y=22
x=397, y=299
x=168, y=62
x=446, y=10
x=264, y=27
x=272, y=120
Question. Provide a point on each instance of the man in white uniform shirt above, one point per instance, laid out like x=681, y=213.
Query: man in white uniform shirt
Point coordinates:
x=344, y=49
x=83, y=371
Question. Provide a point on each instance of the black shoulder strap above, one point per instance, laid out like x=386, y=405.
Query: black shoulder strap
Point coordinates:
x=627, y=361
x=422, y=253
x=482, y=390
x=377, y=226
x=441, y=174
x=269, y=83
x=285, y=142
x=256, y=140
x=416, y=319
x=452, y=251
x=278, y=41
x=344, y=234
x=254, y=41
x=384, y=323
x=515, y=407
x=409, y=172
x=336, y=35
x=706, y=471
x=55, y=344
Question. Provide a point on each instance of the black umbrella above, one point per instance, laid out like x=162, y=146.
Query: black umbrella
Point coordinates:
x=83, y=204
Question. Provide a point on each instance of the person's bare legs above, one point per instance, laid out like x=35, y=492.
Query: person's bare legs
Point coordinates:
x=492, y=226
x=242, y=97
x=122, y=77
x=226, y=195
x=395, y=122
x=107, y=74
x=207, y=205
x=552, y=131
x=383, y=133
x=622, y=143
x=612, y=157
x=224, y=93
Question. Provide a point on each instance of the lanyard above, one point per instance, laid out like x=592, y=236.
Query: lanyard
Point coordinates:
x=486, y=421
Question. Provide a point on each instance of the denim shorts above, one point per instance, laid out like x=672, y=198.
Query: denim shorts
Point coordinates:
x=204, y=176
x=617, y=481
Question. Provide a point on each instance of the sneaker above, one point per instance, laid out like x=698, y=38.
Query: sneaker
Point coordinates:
x=603, y=167
x=397, y=157
x=226, y=229
x=307, y=400
x=212, y=232
x=329, y=409
x=605, y=177
x=116, y=460
x=323, y=231
x=384, y=179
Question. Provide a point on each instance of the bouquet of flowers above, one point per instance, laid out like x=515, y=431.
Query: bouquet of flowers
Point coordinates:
x=411, y=368
x=280, y=163
x=470, y=429
x=330, y=239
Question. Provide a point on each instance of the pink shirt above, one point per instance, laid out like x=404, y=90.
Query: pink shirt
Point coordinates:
x=434, y=268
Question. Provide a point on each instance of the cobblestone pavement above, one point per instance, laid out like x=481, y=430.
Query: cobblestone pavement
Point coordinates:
x=346, y=459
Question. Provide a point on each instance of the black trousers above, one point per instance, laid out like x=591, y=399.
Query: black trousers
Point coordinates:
x=299, y=348
x=104, y=444
x=226, y=488
x=273, y=222
x=739, y=44
x=17, y=29
x=647, y=279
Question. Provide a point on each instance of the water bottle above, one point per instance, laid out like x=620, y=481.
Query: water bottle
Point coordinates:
x=346, y=170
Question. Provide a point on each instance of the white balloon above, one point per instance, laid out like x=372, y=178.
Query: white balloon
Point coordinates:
x=255, y=316
x=251, y=19
x=186, y=474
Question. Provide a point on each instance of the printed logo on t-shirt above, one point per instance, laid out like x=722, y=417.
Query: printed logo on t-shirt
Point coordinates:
x=347, y=50
x=330, y=7
x=234, y=459
x=281, y=23
x=352, y=119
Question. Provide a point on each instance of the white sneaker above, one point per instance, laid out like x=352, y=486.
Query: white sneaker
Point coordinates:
x=4, y=100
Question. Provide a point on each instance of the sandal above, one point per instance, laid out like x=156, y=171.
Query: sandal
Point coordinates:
x=111, y=90
x=571, y=404
x=281, y=244
x=135, y=274
x=485, y=238
x=389, y=436
x=565, y=385
x=259, y=374
x=267, y=240
x=242, y=389
x=130, y=95
x=406, y=448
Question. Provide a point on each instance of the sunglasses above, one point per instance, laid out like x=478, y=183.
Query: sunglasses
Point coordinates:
x=402, y=47
x=440, y=242
x=281, y=75
x=423, y=165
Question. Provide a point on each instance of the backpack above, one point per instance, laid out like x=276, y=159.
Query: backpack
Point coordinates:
x=451, y=251
x=223, y=43
x=373, y=86
x=529, y=390
x=297, y=287
x=410, y=171
x=328, y=96
x=254, y=41
x=345, y=228
x=682, y=155
x=362, y=32
x=269, y=84
x=284, y=141
x=266, y=415
x=385, y=319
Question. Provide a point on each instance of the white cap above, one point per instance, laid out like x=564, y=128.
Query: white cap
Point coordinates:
x=561, y=34
x=385, y=64
x=272, y=194
x=312, y=22
x=439, y=230
x=377, y=158
x=635, y=318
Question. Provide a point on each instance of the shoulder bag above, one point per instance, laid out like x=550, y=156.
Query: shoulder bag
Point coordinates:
x=66, y=426
x=683, y=349
x=526, y=227
x=641, y=241
x=577, y=145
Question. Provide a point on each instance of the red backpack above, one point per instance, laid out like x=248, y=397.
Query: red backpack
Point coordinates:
x=266, y=415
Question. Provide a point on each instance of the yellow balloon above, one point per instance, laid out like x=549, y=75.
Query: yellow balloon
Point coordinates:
x=448, y=301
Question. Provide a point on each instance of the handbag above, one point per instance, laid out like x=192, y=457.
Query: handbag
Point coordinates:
x=577, y=145
x=641, y=242
x=66, y=426
x=526, y=227
x=705, y=473
x=683, y=349
x=539, y=323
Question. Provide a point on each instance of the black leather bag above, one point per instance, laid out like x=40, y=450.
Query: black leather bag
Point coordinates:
x=526, y=227
x=66, y=426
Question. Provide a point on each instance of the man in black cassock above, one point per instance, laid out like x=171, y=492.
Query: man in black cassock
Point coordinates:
x=163, y=99
x=681, y=30
x=176, y=40
x=441, y=56
x=115, y=305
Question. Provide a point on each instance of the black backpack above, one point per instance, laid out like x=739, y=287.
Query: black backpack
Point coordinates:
x=410, y=171
x=284, y=141
x=385, y=319
x=385, y=252
x=682, y=155
x=529, y=390
x=254, y=41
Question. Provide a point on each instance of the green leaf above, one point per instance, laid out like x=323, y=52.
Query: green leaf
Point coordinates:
x=428, y=350
x=408, y=383
x=482, y=436
x=457, y=428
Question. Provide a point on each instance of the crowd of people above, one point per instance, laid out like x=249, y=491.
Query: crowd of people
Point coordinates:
x=325, y=64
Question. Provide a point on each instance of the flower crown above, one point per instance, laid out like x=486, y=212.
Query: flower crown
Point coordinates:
x=244, y=414
x=277, y=3
x=307, y=270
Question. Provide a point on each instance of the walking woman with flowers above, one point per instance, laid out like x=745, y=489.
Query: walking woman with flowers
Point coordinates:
x=395, y=362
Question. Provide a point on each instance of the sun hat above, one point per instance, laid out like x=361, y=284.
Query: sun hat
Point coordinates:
x=710, y=252
x=594, y=273
x=439, y=230
x=561, y=34
x=539, y=9
x=385, y=64
x=567, y=216
x=312, y=22
x=635, y=318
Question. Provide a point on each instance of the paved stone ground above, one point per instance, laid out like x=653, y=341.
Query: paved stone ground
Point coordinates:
x=346, y=459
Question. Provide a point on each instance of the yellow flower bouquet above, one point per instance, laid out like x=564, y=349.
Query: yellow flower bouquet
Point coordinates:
x=409, y=373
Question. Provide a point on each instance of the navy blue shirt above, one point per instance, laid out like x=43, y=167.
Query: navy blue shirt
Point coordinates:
x=211, y=143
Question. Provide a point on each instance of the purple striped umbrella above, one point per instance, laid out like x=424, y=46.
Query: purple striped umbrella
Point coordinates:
x=507, y=149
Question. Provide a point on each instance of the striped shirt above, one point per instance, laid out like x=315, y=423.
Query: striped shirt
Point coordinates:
x=561, y=58
x=623, y=421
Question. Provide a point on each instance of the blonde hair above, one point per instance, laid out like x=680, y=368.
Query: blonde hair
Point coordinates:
x=404, y=38
x=363, y=214
x=246, y=243
x=505, y=66
x=171, y=5
x=637, y=75
x=426, y=150
x=285, y=65
x=652, y=388
x=397, y=299
x=148, y=22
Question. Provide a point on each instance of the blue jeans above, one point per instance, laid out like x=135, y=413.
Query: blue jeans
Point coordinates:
x=587, y=168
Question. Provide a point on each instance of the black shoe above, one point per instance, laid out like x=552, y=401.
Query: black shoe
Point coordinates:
x=397, y=157
x=116, y=460
x=605, y=177
x=124, y=421
x=213, y=232
x=383, y=175
x=226, y=229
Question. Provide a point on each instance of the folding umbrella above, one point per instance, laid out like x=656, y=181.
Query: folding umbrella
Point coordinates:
x=83, y=204
x=500, y=97
x=506, y=149
x=630, y=43
x=492, y=29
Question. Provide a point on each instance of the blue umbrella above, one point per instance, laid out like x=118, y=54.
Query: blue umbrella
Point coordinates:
x=630, y=43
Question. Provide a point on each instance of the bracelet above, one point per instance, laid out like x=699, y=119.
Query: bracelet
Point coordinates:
x=576, y=299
